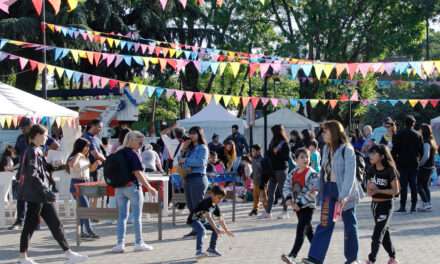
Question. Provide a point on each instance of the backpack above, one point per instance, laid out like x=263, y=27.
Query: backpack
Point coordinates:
x=116, y=170
x=361, y=168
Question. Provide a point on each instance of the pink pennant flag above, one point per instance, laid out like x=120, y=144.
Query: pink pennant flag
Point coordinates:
x=378, y=67
x=38, y=5
x=274, y=101
x=352, y=69
x=5, y=4
x=389, y=67
x=189, y=96
x=333, y=103
x=364, y=68
x=276, y=67
x=136, y=46
x=143, y=48
x=95, y=81
x=163, y=4
x=179, y=95
x=264, y=67
x=23, y=62
x=253, y=67
x=169, y=93
x=151, y=49
x=183, y=2
x=110, y=58
x=264, y=100
x=245, y=101
x=355, y=96
x=424, y=103
x=180, y=65
x=197, y=65
x=198, y=97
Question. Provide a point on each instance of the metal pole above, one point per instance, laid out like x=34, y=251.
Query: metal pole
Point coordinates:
x=349, y=102
x=265, y=113
x=251, y=127
x=44, y=73
x=427, y=39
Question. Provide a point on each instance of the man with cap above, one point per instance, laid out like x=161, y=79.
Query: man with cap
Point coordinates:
x=20, y=147
x=407, y=152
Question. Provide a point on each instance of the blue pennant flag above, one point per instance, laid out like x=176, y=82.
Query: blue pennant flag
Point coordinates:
x=214, y=67
x=294, y=71
x=3, y=43
x=129, y=45
x=293, y=102
x=307, y=69
x=304, y=102
x=77, y=77
x=127, y=59
x=205, y=66
x=122, y=44
x=159, y=91
x=138, y=60
x=58, y=53
x=69, y=73
x=150, y=90
x=187, y=54
x=393, y=102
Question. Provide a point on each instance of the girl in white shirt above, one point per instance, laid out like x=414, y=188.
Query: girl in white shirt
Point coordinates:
x=79, y=168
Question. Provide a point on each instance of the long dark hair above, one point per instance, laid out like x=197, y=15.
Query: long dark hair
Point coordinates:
x=9, y=151
x=297, y=136
x=78, y=147
x=308, y=136
x=388, y=161
x=279, y=134
x=199, y=131
x=428, y=136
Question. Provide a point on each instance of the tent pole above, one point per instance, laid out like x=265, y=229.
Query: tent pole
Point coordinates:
x=265, y=113
x=44, y=73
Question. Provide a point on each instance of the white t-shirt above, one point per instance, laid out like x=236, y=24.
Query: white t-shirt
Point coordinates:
x=81, y=170
x=149, y=159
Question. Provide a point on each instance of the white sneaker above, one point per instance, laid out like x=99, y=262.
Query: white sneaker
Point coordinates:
x=143, y=247
x=265, y=216
x=428, y=206
x=27, y=261
x=73, y=257
x=119, y=248
x=284, y=215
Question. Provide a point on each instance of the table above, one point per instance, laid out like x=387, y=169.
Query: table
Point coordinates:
x=157, y=177
x=100, y=189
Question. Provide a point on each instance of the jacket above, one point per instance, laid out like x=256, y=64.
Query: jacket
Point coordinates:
x=240, y=143
x=197, y=159
x=34, y=176
x=344, y=167
x=280, y=161
x=303, y=197
x=407, y=148
x=257, y=170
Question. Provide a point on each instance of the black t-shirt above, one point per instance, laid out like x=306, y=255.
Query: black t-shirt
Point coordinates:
x=134, y=162
x=383, y=180
x=205, y=206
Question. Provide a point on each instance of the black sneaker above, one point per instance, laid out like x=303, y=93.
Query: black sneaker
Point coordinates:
x=86, y=236
x=253, y=212
x=93, y=235
x=15, y=226
x=401, y=210
x=213, y=253
x=190, y=235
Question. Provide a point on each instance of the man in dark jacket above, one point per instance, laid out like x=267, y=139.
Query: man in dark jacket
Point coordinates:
x=407, y=151
x=239, y=140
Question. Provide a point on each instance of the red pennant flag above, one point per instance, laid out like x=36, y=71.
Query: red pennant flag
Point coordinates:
x=33, y=64
x=113, y=83
x=56, y=5
x=198, y=96
x=333, y=103
x=434, y=102
x=245, y=101
x=343, y=98
x=352, y=69
x=255, y=101
x=172, y=63
x=38, y=5
x=97, y=57
x=253, y=68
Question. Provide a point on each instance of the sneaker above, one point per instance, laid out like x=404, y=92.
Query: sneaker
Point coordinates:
x=428, y=206
x=27, y=261
x=190, y=235
x=74, y=257
x=213, y=253
x=200, y=254
x=119, y=248
x=289, y=259
x=401, y=210
x=307, y=261
x=93, y=235
x=265, y=216
x=284, y=215
x=393, y=261
x=15, y=226
x=143, y=247
x=253, y=212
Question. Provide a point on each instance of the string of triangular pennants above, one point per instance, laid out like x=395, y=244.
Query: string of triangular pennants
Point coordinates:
x=321, y=70
x=38, y=5
x=13, y=121
x=228, y=100
x=163, y=3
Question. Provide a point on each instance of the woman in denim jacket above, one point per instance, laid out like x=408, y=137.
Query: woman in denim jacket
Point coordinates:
x=339, y=187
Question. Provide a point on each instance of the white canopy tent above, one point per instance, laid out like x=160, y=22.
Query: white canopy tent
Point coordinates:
x=289, y=119
x=15, y=102
x=214, y=119
x=435, y=124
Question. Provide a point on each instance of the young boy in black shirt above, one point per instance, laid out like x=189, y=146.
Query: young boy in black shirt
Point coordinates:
x=202, y=220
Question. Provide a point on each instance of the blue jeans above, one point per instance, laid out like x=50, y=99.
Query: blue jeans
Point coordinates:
x=134, y=195
x=83, y=202
x=200, y=228
x=195, y=190
x=324, y=231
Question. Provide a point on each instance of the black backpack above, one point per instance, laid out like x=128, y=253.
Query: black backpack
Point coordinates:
x=116, y=170
x=361, y=168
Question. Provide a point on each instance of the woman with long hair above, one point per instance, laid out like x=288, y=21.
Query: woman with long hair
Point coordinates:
x=295, y=142
x=307, y=137
x=279, y=154
x=34, y=182
x=229, y=155
x=383, y=186
x=79, y=168
x=426, y=167
x=7, y=159
x=339, y=190
x=195, y=161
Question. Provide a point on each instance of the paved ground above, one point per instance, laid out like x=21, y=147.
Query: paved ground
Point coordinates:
x=416, y=237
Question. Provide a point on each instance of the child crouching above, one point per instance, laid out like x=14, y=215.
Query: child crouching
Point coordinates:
x=301, y=189
x=202, y=220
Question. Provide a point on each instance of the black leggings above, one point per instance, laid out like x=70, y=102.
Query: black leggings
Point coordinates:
x=423, y=182
x=48, y=213
x=382, y=212
x=304, y=228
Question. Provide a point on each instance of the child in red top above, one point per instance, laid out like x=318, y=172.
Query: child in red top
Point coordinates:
x=301, y=189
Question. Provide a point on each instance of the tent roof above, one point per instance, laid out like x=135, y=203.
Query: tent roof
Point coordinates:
x=213, y=113
x=17, y=102
x=287, y=118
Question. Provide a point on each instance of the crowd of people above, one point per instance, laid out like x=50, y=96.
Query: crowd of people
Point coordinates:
x=302, y=170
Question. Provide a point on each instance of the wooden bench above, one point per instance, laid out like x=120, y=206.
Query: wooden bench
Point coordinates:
x=99, y=191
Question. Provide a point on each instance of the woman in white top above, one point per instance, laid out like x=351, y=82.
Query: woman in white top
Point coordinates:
x=151, y=159
x=79, y=168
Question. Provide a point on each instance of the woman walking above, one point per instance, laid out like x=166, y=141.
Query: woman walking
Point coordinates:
x=426, y=167
x=35, y=191
x=339, y=189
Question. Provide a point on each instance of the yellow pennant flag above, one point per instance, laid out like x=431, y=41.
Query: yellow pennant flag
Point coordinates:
x=146, y=62
x=178, y=53
x=9, y=121
x=428, y=67
x=141, y=89
x=235, y=100
x=217, y=98
x=314, y=102
x=72, y=4
x=328, y=68
x=262, y=2
x=132, y=87
x=2, y=121
x=413, y=102
x=226, y=99
x=75, y=55
x=221, y=68
x=110, y=42
x=323, y=101
x=51, y=27
x=235, y=67
x=319, y=69
x=117, y=42
x=172, y=52
x=63, y=122
x=59, y=71
x=50, y=69
x=82, y=54
x=231, y=54
x=154, y=60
